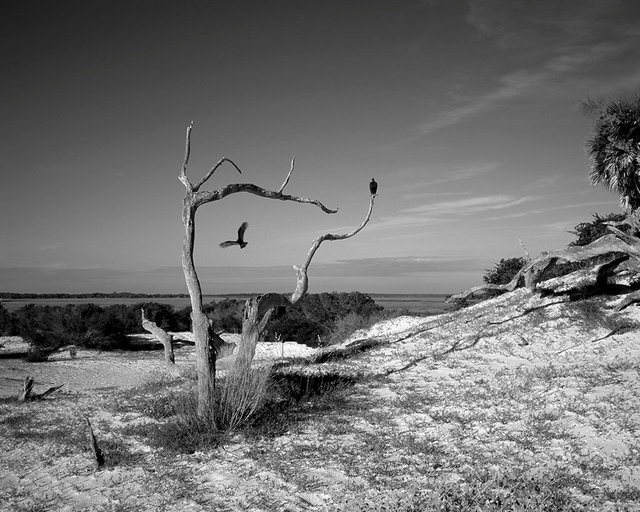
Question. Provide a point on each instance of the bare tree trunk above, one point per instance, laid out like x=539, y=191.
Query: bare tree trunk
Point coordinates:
x=162, y=336
x=205, y=343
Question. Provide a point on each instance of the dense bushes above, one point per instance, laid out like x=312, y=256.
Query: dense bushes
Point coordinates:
x=504, y=271
x=313, y=320
x=87, y=325
x=318, y=318
x=7, y=323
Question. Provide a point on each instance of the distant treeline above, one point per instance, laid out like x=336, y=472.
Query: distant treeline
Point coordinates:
x=95, y=295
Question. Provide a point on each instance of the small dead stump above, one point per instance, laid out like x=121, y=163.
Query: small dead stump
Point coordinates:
x=28, y=395
x=97, y=452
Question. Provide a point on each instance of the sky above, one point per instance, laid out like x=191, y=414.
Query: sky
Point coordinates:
x=467, y=113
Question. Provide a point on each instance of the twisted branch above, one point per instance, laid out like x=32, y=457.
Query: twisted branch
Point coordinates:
x=302, y=278
x=204, y=197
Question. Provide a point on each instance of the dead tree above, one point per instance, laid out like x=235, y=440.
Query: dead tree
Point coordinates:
x=258, y=311
x=27, y=394
x=162, y=336
x=618, y=246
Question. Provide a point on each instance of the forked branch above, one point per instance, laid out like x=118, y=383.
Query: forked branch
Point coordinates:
x=183, y=172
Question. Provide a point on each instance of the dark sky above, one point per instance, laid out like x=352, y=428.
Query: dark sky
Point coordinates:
x=466, y=112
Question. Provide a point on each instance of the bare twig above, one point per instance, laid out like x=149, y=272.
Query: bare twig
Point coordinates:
x=524, y=248
x=187, y=151
x=97, y=452
x=213, y=169
x=526, y=312
x=284, y=184
x=609, y=334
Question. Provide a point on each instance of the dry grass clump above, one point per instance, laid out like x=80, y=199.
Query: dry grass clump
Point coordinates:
x=261, y=402
x=236, y=399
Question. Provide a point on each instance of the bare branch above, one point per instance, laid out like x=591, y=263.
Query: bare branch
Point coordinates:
x=213, y=169
x=524, y=248
x=208, y=196
x=301, y=272
x=284, y=184
x=187, y=151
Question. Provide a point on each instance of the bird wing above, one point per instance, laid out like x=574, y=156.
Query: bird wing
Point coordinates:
x=241, y=231
x=228, y=243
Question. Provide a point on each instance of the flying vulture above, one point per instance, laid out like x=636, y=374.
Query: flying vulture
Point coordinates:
x=373, y=187
x=240, y=241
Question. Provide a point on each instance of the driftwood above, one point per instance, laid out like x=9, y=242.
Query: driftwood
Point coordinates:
x=618, y=245
x=28, y=394
x=93, y=443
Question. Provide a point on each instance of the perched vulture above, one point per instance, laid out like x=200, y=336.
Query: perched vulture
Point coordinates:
x=240, y=241
x=373, y=187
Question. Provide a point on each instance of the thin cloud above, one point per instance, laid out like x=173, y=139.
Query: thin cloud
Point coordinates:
x=446, y=176
x=472, y=205
x=549, y=209
x=571, y=39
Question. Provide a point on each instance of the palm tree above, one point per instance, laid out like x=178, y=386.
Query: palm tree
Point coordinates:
x=614, y=150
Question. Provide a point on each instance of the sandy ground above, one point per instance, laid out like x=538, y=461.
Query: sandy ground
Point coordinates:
x=91, y=370
x=539, y=388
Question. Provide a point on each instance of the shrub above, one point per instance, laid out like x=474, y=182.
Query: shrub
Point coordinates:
x=7, y=322
x=504, y=271
x=226, y=314
x=87, y=325
x=587, y=232
x=35, y=354
x=237, y=398
x=315, y=316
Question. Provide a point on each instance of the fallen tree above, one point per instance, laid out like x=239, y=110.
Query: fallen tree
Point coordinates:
x=614, y=248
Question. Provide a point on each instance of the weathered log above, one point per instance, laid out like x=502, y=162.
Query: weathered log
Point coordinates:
x=534, y=271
